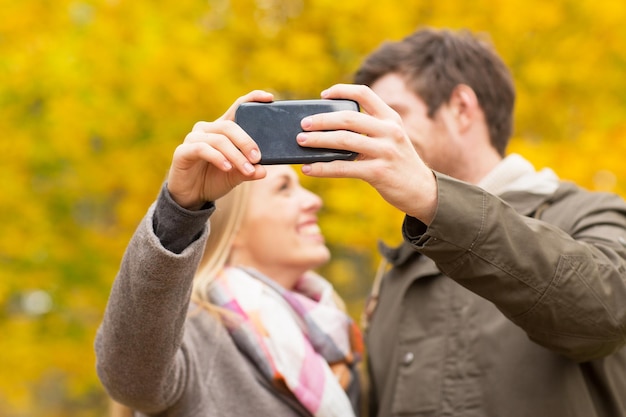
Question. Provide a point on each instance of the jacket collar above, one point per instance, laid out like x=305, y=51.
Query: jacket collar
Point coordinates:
x=516, y=181
x=514, y=173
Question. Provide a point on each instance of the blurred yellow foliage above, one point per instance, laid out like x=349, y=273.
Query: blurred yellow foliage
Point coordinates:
x=96, y=94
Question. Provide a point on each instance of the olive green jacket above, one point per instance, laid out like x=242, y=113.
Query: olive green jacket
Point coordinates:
x=504, y=309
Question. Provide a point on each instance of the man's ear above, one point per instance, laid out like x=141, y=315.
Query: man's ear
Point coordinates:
x=464, y=105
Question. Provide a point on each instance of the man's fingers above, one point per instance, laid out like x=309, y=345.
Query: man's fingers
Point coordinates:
x=369, y=101
x=359, y=123
x=366, y=170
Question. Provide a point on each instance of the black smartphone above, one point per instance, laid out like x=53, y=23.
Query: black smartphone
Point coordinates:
x=275, y=125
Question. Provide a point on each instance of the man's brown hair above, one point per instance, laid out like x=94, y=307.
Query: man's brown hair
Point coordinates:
x=433, y=62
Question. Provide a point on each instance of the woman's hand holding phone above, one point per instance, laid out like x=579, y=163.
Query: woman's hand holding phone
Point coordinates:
x=214, y=158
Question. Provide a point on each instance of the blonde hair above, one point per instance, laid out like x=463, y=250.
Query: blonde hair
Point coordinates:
x=224, y=224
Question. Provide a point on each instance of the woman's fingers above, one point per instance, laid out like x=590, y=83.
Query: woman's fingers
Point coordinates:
x=189, y=154
x=228, y=138
x=215, y=157
x=256, y=95
x=201, y=172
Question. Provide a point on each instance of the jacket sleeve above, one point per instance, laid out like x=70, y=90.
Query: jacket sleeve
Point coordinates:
x=566, y=290
x=140, y=360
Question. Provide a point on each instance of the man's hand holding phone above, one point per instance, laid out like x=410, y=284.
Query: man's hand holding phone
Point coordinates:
x=387, y=158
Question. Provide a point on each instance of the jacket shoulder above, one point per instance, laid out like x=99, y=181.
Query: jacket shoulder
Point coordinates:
x=571, y=204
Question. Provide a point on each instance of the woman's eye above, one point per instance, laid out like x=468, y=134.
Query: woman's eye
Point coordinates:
x=286, y=185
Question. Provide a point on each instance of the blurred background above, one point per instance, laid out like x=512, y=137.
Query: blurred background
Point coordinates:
x=95, y=95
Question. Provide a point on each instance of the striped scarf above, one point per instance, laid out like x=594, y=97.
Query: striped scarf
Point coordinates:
x=295, y=337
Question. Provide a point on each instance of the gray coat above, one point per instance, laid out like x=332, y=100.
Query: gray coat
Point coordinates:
x=159, y=354
x=490, y=311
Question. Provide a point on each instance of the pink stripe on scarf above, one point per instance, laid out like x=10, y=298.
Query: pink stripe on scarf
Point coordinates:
x=310, y=386
x=233, y=306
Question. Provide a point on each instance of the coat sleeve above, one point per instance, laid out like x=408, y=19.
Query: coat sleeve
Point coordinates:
x=140, y=358
x=566, y=290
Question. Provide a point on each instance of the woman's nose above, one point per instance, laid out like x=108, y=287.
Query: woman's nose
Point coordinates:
x=311, y=201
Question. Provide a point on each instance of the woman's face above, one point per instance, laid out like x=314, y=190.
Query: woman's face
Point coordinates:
x=279, y=235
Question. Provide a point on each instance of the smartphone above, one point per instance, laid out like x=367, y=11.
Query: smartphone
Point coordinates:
x=275, y=125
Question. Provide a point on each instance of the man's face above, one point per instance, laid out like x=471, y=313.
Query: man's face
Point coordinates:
x=432, y=138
